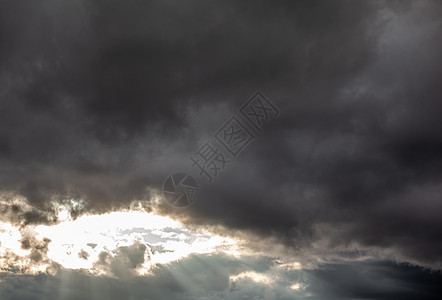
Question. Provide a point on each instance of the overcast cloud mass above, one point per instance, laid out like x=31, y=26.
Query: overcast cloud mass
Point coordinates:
x=101, y=100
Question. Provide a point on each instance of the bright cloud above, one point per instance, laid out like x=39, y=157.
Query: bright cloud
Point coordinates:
x=78, y=244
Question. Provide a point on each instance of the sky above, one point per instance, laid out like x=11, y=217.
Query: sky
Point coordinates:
x=323, y=124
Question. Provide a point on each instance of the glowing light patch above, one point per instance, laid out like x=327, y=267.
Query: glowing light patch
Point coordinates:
x=295, y=286
x=10, y=237
x=256, y=277
x=77, y=244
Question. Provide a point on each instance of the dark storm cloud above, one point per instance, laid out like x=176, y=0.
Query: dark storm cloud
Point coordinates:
x=374, y=280
x=354, y=158
x=101, y=100
x=15, y=210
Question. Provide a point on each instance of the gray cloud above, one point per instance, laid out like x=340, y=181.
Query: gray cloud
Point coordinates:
x=101, y=100
x=123, y=261
x=213, y=277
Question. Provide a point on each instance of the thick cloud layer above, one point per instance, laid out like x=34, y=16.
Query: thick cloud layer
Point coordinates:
x=101, y=100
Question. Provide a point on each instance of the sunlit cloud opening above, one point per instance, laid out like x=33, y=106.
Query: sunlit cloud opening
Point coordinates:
x=89, y=240
x=296, y=286
x=254, y=276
